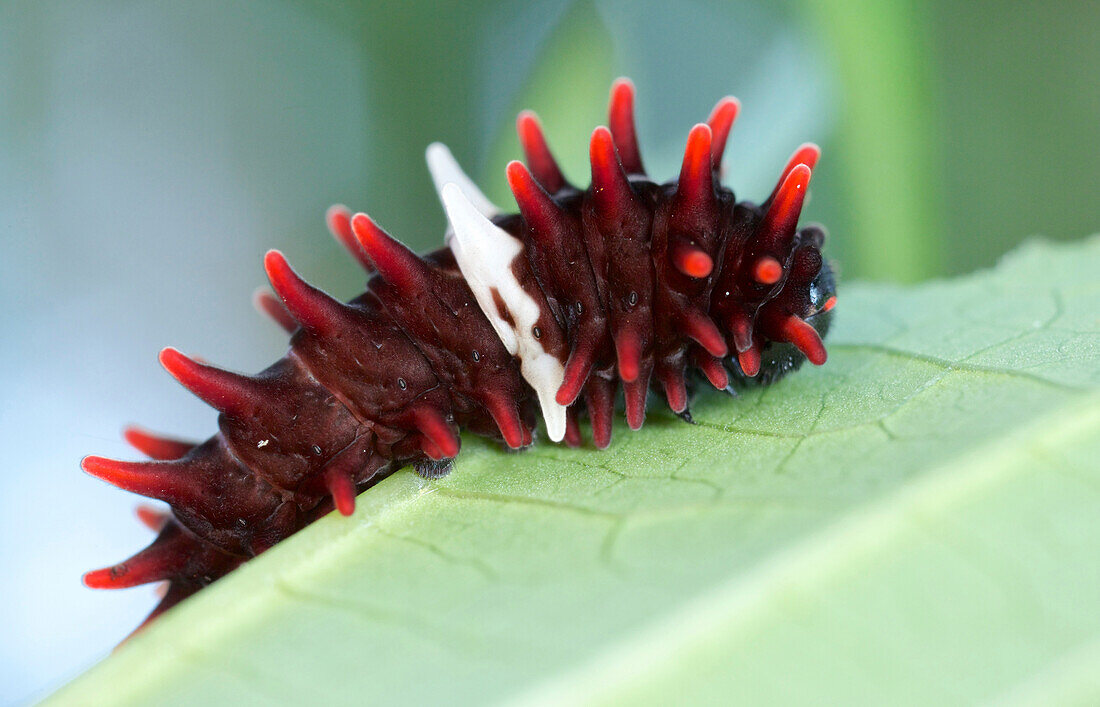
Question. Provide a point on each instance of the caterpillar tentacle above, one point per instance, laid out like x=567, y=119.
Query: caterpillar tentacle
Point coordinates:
x=628, y=283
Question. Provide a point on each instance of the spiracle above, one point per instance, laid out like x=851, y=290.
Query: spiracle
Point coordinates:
x=626, y=283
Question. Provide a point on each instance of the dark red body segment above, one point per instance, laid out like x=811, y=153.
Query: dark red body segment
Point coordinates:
x=636, y=284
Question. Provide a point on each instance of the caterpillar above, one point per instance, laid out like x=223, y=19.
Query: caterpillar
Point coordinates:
x=626, y=283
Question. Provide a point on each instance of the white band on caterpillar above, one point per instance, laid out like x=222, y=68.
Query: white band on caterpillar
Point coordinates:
x=445, y=170
x=485, y=253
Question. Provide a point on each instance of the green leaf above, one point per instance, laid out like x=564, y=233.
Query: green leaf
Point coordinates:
x=917, y=521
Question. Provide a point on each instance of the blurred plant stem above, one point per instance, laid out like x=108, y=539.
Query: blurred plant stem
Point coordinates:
x=885, y=135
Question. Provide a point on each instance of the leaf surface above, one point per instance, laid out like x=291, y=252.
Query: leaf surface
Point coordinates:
x=916, y=521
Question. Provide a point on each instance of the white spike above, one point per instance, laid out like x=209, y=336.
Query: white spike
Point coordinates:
x=445, y=170
x=485, y=253
x=479, y=251
x=545, y=374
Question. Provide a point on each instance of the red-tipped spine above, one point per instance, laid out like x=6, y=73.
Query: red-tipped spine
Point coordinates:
x=572, y=429
x=156, y=446
x=776, y=230
x=808, y=154
x=689, y=259
x=395, y=263
x=675, y=390
x=767, y=270
x=272, y=307
x=634, y=395
x=621, y=122
x=599, y=398
x=703, y=330
x=431, y=423
x=611, y=190
x=338, y=220
x=804, y=337
x=628, y=351
x=231, y=393
x=739, y=325
x=749, y=360
x=342, y=488
x=542, y=214
x=712, y=368
x=538, y=155
x=507, y=417
x=695, y=189
x=152, y=518
x=312, y=308
x=431, y=449
x=165, y=481
x=164, y=559
x=721, y=122
x=578, y=367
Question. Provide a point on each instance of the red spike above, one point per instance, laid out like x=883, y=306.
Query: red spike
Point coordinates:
x=506, y=416
x=270, y=305
x=431, y=423
x=621, y=121
x=829, y=304
x=152, y=518
x=691, y=261
x=572, y=428
x=634, y=394
x=396, y=264
x=750, y=360
x=99, y=579
x=311, y=307
x=628, y=348
x=721, y=121
x=156, y=446
x=611, y=190
x=577, y=368
x=675, y=390
x=164, y=559
x=226, y=392
x=702, y=329
x=338, y=219
x=539, y=211
x=164, y=481
x=528, y=436
x=695, y=189
x=599, y=398
x=776, y=230
x=429, y=447
x=805, y=338
x=712, y=368
x=538, y=155
x=808, y=154
x=342, y=488
x=767, y=270
x=115, y=577
x=740, y=328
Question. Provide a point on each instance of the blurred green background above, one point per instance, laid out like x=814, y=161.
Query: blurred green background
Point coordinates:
x=151, y=151
x=951, y=130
